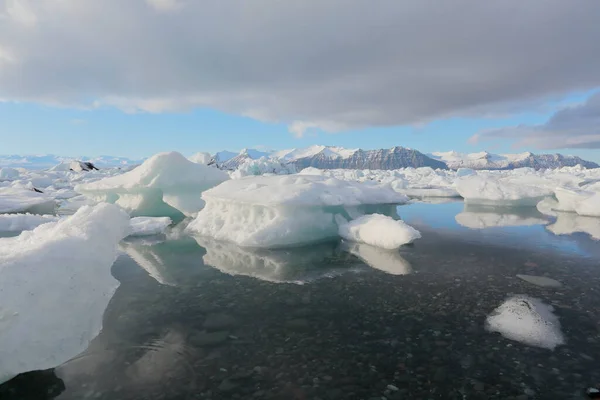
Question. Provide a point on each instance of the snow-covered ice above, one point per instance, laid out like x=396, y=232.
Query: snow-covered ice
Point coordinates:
x=146, y=226
x=487, y=190
x=389, y=261
x=167, y=184
x=279, y=211
x=379, y=231
x=263, y=166
x=23, y=222
x=14, y=199
x=201, y=158
x=527, y=320
x=55, y=284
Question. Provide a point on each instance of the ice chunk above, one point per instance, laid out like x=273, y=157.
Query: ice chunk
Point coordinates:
x=380, y=231
x=81, y=166
x=481, y=217
x=526, y=320
x=583, y=202
x=55, y=284
x=540, y=281
x=465, y=172
x=14, y=199
x=279, y=211
x=9, y=174
x=263, y=166
x=590, y=206
x=145, y=226
x=493, y=191
x=296, y=265
x=389, y=261
x=167, y=184
x=23, y=222
x=201, y=158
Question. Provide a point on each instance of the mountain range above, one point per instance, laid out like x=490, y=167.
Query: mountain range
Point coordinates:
x=330, y=157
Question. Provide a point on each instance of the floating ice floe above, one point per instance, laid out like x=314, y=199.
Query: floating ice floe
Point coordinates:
x=167, y=184
x=582, y=202
x=492, y=191
x=389, y=261
x=279, y=211
x=13, y=199
x=146, y=226
x=55, y=284
x=23, y=222
x=481, y=217
x=527, y=320
x=297, y=265
x=379, y=231
x=542, y=281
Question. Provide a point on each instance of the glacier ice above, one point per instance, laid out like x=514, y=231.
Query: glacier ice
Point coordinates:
x=262, y=166
x=23, y=222
x=480, y=189
x=167, y=184
x=55, y=284
x=14, y=199
x=527, y=320
x=146, y=226
x=379, y=231
x=280, y=211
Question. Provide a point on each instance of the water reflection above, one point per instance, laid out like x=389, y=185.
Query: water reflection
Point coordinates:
x=481, y=217
x=569, y=223
x=389, y=261
x=293, y=265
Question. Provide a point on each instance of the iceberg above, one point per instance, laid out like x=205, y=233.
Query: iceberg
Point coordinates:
x=167, y=184
x=297, y=265
x=201, y=158
x=488, y=190
x=263, y=166
x=23, y=222
x=280, y=211
x=527, y=320
x=55, y=284
x=14, y=199
x=481, y=217
x=146, y=226
x=9, y=174
x=388, y=261
x=379, y=231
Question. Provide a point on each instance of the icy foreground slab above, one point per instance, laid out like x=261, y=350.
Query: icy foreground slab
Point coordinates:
x=23, y=222
x=527, y=320
x=167, y=184
x=55, y=284
x=280, y=211
x=379, y=231
x=14, y=199
x=490, y=190
x=146, y=226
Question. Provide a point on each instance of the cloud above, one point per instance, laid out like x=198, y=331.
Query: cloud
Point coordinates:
x=576, y=126
x=331, y=64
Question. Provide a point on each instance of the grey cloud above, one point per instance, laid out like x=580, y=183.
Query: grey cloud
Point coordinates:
x=571, y=127
x=333, y=64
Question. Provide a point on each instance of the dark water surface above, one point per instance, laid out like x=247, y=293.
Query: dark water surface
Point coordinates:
x=219, y=322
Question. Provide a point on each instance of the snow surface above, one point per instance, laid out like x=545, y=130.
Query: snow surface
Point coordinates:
x=487, y=190
x=379, y=231
x=55, y=284
x=278, y=211
x=527, y=320
x=146, y=226
x=14, y=199
x=23, y=222
x=167, y=184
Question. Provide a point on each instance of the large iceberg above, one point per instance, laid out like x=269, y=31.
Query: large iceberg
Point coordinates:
x=527, y=320
x=279, y=211
x=489, y=190
x=379, y=231
x=167, y=184
x=16, y=199
x=55, y=284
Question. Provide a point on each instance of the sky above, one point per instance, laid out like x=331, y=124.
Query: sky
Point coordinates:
x=143, y=76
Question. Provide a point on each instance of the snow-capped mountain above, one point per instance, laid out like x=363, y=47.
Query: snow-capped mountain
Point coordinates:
x=485, y=160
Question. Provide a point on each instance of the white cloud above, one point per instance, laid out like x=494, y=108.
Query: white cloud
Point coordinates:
x=332, y=64
x=575, y=126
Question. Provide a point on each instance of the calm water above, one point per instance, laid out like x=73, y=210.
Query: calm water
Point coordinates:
x=205, y=320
